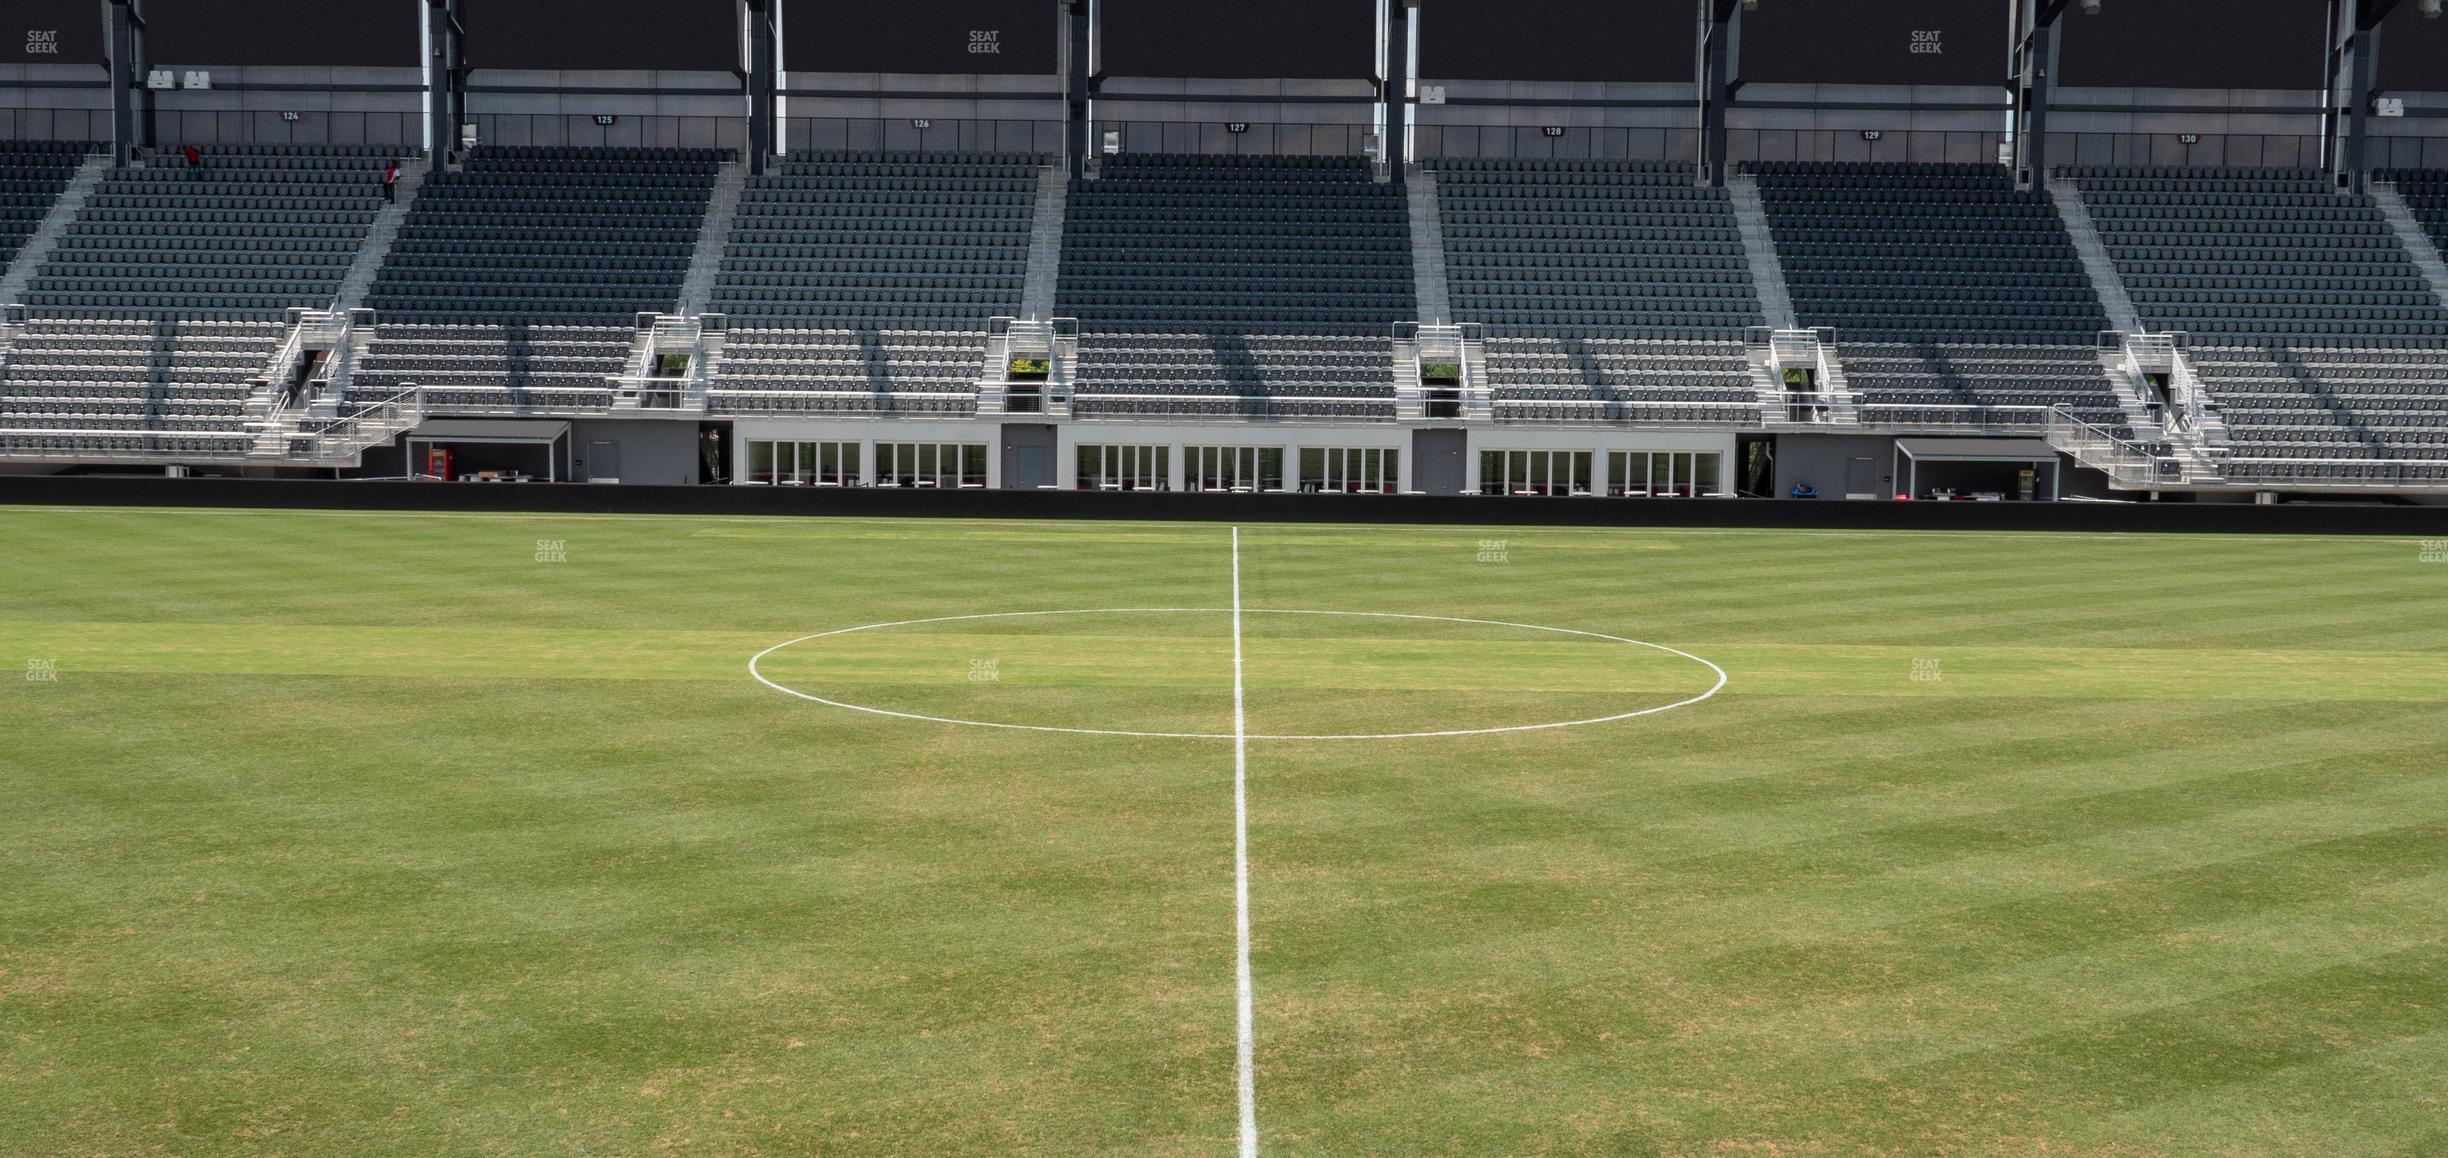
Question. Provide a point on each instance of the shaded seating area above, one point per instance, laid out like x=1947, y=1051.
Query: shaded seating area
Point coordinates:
x=516, y=282
x=1957, y=299
x=1236, y=286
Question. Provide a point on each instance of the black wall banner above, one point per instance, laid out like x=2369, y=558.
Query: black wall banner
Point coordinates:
x=2271, y=44
x=52, y=32
x=2413, y=51
x=1649, y=41
x=639, y=35
x=1951, y=42
x=937, y=36
x=282, y=32
x=1250, y=38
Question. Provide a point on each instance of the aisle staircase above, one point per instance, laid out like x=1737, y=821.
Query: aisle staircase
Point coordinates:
x=39, y=246
x=1045, y=244
x=2095, y=261
x=1428, y=250
x=705, y=262
x=1759, y=245
x=377, y=245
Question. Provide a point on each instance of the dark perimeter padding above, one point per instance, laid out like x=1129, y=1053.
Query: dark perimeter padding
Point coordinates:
x=1457, y=510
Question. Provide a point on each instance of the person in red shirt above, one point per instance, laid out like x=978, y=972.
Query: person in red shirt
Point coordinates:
x=195, y=162
x=390, y=181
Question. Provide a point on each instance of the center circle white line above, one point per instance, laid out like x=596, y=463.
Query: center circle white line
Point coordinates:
x=757, y=659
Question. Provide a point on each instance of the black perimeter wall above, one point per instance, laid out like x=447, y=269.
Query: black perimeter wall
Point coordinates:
x=630, y=35
x=936, y=36
x=1941, y=42
x=52, y=32
x=1629, y=41
x=1786, y=514
x=2265, y=44
x=1258, y=39
x=332, y=33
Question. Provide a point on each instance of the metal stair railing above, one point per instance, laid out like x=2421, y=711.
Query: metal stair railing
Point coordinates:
x=2128, y=464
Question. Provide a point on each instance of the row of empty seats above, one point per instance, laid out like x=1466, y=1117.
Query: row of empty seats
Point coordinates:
x=854, y=240
x=32, y=176
x=132, y=386
x=516, y=281
x=2253, y=256
x=2317, y=335
x=1236, y=286
x=881, y=371
x=247, y=234
x=1620, y=249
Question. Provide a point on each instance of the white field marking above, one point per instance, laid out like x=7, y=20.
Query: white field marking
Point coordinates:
x=1246, y=1062
x=758, y=658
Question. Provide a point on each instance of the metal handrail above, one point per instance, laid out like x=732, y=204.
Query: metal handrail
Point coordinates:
x=1869, y=409
x=2101, y=449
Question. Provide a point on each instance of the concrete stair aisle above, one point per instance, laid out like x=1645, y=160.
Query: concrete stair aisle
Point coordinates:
x=2418, y=243
x=1767, y=385
x=1045, y=244
x=1410, y=405
x=379, y=236
x=2131, y=400
x=2095, y=260
x=1846, y=410
x=1759, y=244
x=38, y=248
x=713, y=236
x=1428, y=279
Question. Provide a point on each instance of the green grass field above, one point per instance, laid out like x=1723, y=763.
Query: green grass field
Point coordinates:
x=330, y=833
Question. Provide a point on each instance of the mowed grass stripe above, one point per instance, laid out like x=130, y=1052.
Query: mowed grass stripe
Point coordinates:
x=2117, y=850
x=1100, y=654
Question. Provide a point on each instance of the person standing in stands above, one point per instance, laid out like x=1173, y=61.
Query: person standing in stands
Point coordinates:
x=390, y=182
x=195, y=162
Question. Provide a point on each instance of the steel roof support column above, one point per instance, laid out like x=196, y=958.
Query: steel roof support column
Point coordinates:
x=446, y=78
x=1078, y=85
x=762, y=79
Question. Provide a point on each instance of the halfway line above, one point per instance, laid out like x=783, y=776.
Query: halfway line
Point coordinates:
x=1241, y=918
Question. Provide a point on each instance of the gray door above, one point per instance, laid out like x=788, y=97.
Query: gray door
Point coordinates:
x=1861, y=477
x=1028, y=456
x=1436, y=461
x=603, y=462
